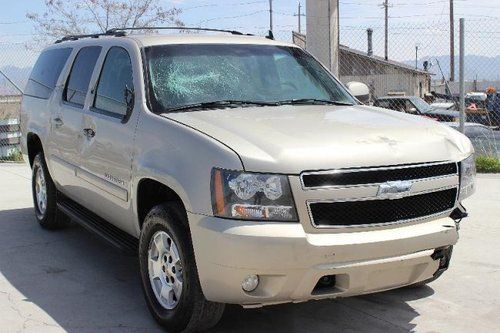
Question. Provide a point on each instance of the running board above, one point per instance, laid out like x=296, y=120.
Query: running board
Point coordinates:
x=97, y=225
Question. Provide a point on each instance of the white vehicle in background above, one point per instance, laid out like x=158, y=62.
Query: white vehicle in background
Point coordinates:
x=450, y=106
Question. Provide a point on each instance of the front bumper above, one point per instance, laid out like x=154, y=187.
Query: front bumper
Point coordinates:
x=290, y=262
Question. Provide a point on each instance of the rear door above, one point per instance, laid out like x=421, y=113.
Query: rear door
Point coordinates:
x=67, y=136
x=109, y=142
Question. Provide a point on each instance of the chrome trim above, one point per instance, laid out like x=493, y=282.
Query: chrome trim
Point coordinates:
x=354, y=170
x=373, y=225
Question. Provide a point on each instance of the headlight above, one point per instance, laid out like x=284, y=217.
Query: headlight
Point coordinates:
x=252, y=196
x=467, y=177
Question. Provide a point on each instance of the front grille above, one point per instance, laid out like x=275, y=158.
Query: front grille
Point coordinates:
x=377, y=175
x=353, y=213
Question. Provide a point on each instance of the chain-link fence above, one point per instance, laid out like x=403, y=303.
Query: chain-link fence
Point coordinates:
x=16, y=61
x=413, y=77
x=412, y=71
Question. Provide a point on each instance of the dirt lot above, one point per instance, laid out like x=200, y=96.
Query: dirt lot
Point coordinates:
x=71, y=281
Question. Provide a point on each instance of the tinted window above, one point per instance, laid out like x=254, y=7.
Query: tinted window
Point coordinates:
x=116, y=85
x=81, y=72
x=401, y=105
x=46, y=71
x=383, y=104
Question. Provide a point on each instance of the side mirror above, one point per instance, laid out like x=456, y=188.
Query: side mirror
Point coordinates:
x=360, y=91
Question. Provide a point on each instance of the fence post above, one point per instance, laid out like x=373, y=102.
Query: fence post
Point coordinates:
x=462, y=75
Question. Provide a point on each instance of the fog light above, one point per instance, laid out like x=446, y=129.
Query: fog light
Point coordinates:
x=250, y=283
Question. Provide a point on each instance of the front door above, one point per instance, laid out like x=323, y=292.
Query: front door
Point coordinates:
x=109, y=140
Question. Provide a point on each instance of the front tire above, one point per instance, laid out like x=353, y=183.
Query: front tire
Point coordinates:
x=45, y=196
x=169, y=274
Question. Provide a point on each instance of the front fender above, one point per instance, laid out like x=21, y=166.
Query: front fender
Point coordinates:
x=181, y=158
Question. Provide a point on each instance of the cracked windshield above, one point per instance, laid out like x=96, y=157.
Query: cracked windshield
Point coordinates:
x=185, y=75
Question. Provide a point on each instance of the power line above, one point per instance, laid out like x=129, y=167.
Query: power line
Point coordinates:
x=14, y=22
x=231, y=17
x=223, y=5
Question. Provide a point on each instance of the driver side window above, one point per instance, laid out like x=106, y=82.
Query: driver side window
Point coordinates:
x=115, y=90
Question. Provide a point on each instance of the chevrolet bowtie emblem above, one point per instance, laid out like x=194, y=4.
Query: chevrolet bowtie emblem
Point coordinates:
x=394, y=190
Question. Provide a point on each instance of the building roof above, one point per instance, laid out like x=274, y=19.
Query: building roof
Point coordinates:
x=397, y=64
x=301, y=39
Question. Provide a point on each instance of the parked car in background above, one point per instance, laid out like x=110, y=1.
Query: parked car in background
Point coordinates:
x=444, y=105
x=479, y=107
x=417, y=106
x=493, y=106
x=486, y=140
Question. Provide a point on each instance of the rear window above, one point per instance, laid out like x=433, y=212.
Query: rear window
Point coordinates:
x=81, y=73
x=46, y=71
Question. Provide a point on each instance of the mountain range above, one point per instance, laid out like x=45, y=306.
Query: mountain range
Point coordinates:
x=476, y=67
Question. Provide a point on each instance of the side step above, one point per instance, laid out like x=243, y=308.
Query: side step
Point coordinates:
x=97, y=225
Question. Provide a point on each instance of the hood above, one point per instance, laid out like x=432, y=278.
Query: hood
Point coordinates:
x=291, y=139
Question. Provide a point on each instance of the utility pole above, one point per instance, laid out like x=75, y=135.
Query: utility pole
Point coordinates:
x=386, y=10
x=271, y=15
x=416, y=56
x=462, y=75
x=300, y=17
x=322, y=27
x=452, y=43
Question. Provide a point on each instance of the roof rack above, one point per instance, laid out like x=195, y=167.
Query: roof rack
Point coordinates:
x=233, y=32
x=77, y=37
x=120, y=32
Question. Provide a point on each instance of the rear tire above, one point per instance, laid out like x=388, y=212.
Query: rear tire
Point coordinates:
x=168, y=268
x=45, y=196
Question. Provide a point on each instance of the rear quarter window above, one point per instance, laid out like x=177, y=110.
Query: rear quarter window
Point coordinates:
x=46, y=71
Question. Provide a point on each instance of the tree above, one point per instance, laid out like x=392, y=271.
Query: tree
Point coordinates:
x=92, y=16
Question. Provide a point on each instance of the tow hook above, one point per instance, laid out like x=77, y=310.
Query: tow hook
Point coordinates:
x=458, y=214
x=442, y=254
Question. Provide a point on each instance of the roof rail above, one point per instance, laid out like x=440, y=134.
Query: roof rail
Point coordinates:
x=77, y=37
x=120, y=32
x=117, y=30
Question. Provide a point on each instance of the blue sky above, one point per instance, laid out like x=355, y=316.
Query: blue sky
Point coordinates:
x=251, y=14
x=412, y=21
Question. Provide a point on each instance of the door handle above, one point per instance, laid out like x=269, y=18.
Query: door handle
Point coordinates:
x=58, y=122
x=89, y=132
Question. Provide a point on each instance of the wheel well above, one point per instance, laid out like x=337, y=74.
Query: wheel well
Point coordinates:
x=151, y=193
x=34, y=146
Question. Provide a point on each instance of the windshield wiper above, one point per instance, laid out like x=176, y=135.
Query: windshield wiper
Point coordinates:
x=218, y=105
x=312, y=101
